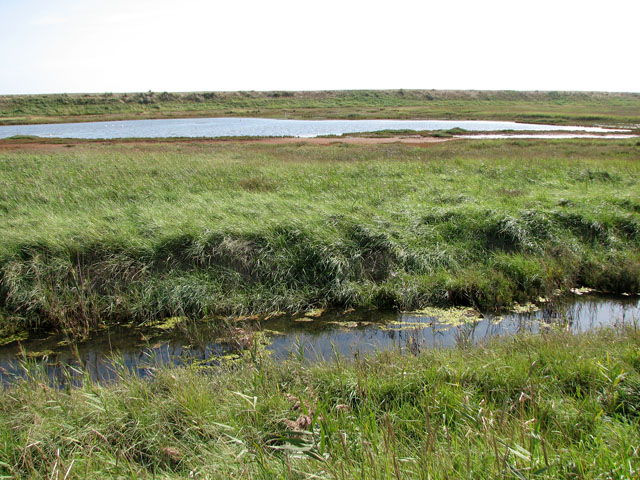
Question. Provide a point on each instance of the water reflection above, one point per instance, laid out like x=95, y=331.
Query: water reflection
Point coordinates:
x=346, y=335
x=414, y=332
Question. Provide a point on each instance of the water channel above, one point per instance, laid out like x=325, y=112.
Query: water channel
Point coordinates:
x=321, y=338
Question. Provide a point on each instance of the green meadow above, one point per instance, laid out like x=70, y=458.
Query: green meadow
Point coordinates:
x=582, y=108
x=100, y=233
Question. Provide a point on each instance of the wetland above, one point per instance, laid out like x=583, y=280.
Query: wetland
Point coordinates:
x=299, y=308
x=265, y=127
x=102, y=233
x=316, y=336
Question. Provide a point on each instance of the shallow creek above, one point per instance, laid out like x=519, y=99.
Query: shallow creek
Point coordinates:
x=314, y=337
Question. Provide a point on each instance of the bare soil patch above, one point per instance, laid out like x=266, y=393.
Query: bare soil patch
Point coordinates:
x=51, y=145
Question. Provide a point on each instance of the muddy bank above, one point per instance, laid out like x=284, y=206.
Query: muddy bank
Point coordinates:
x=57, y=144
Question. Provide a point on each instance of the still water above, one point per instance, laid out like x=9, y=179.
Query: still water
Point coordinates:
x=313, y=339
x=252, y=127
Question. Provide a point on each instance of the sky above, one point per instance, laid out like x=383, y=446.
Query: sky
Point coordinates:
x=73, y=46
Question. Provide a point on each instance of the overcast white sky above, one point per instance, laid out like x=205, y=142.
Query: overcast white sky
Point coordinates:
x=51, y=46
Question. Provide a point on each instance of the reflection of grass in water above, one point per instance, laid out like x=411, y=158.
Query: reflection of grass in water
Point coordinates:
x=104, y=234
x=560, y=405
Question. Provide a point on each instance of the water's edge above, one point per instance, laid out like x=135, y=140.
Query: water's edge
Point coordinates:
x=265, y=127
x=314, y=337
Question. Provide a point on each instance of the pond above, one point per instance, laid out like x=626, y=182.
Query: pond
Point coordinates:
x=265, y=127
x=312, y=338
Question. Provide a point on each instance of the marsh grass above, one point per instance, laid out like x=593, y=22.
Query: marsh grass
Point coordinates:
x=551, y=406
x=532, y=107
x=111, y=233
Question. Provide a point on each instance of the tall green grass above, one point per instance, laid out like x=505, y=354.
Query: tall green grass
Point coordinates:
x=537, y=107
x=118, y=233
x=546, y=407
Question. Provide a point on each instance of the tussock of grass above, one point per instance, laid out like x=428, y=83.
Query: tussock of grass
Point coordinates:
x=109, y=233
x=555, y=406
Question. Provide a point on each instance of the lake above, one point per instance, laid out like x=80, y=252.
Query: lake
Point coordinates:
x=263, y=127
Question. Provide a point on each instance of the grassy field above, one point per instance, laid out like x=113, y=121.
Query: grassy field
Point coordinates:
x=104, y=233
x=584, y=108
x=546, y=407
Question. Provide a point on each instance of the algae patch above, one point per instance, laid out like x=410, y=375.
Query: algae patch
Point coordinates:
x=167, y=323
x=453, y=316
x=449, y=317
x=14, y=337
x=316, y=313
x=303, y=319
x=582, y=290
x=525, y=308
x=42, y=354
x=345, y=324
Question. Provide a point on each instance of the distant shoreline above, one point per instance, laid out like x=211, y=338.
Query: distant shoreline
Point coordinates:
x=557, y=108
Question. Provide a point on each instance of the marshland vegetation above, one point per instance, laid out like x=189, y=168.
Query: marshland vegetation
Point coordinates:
x=547, y=407
x=96, y=234
x=568, y=108
x=129, y=232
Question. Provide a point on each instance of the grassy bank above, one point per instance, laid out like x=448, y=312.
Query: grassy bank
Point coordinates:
x=584, y=108
x=98, y=234
x=548, y=407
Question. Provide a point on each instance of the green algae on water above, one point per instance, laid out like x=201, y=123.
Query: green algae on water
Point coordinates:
x=14, y=337
x=524, y=308
x=167, y=323
x=453, y=316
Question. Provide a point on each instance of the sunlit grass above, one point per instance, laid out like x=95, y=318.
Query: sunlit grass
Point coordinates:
x=537, y=107
x=555, y=406
x=104, y=233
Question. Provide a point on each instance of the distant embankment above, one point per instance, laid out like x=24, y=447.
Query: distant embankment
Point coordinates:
x=582, y=108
